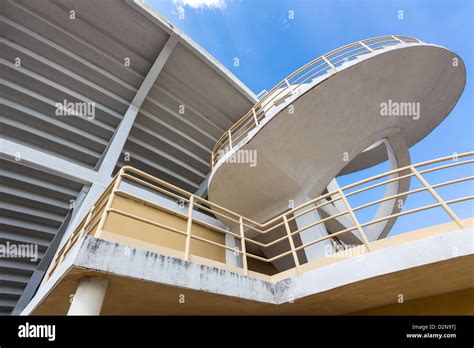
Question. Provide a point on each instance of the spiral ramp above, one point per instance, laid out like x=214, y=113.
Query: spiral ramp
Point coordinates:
x=310, y=133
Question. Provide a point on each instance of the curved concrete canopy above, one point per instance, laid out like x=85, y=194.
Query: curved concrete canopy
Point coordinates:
x=339, y=117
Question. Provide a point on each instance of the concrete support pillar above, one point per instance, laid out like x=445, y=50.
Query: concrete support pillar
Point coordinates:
x=89, y=296
x=398, y=156
x=339, y=204
x=317, y=250
x=233, y=258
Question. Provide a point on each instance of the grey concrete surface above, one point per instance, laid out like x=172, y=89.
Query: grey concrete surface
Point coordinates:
x=337, y=120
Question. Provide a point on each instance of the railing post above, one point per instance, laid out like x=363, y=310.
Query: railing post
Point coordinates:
x=230, y=139
x=290, y=87
x=327, y=61
x=437, y=196
x=118, y=180
x=242, y=246
x=212, y=159
x=397, y=39
x=187, y=246
x=366, y=46
x=292, y=244
x=255, y=116
x=354, y=218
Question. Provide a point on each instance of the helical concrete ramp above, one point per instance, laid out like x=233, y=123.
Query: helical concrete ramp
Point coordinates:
x=336, y=126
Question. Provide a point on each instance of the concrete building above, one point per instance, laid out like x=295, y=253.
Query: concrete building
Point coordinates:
x=150, y=180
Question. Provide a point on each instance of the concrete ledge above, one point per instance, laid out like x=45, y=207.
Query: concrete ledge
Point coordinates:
x=397, y=258
x=144, y=282
x=118, y=259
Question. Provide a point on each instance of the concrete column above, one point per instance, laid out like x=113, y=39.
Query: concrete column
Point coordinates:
x=317, y=250
x=339, y=204
x=89, y=296
x=398, y=156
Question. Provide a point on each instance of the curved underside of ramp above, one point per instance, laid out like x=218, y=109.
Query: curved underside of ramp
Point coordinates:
x=334, y=121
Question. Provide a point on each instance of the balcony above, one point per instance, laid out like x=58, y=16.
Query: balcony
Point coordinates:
x=326, y=120
x=142, y=211
x=155, y=243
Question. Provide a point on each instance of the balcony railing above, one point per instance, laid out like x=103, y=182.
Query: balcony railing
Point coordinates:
x=291, y=86
x=198, y=240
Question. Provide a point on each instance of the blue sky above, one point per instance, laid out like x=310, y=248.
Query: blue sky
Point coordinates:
x=271, y=46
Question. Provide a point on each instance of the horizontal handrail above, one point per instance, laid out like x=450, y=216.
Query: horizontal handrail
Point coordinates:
x=281, y=221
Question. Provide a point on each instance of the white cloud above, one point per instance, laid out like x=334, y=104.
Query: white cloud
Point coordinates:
x=198, y=4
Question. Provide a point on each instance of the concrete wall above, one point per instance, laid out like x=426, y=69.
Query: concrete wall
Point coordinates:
x=143, y=232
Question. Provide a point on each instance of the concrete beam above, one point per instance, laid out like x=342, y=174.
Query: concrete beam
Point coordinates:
x=202, y=190
x=101, y=178
x=45, y=162
x=117, y=143
x=187, y=42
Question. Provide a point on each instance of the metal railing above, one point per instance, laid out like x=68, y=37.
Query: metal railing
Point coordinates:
x=95, y=221
x=291, y=86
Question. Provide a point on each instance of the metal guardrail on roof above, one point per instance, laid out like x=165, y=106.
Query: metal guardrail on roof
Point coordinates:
x=103, y=208
x=291, y=84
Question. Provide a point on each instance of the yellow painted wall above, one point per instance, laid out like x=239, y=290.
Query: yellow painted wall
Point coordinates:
x=261, y=267
x=143, y=232
x=452, y=303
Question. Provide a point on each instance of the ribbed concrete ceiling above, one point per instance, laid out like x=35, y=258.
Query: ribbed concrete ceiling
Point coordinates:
x=78, y=60
x=33, y=205
x=186, y=111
